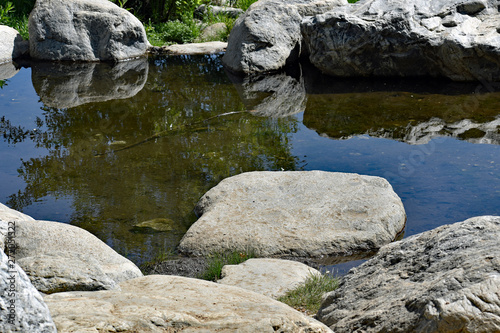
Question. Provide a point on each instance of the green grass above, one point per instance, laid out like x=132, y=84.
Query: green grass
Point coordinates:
x=307, y=297
x=216, y=261
x=163, y=255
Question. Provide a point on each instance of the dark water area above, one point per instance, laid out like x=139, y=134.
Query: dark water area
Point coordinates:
x=107, y=147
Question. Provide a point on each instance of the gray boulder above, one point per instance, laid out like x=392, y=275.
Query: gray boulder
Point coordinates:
x=85, y=30
x=304, y=213
x=266, y=276
x=22, y=307
x=60, y=257
x=12, y=44
x=455, y=39
x=68, y=84
x=268, y=35
x=443, y=280
x=165, y=303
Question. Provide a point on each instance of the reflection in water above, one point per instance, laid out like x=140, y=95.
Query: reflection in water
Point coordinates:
x=67, y=151
x=112, y=192
x=272, y=95
x=65, y=85
x=414, y=112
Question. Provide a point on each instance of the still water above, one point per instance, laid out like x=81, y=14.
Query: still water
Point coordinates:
x=107, y=147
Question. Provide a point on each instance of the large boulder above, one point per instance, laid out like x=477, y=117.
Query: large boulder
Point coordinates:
x=267, y=35
x=61, y=257
x=12, y=44
x=455, y=39
x=22, y=307
x=296, y=213
x=85, y=30
x=165, y=303
x=443, y=280
x=267, y=276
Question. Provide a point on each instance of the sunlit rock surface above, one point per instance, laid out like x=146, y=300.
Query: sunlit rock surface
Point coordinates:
x=455, y=39
x=267, y=35
x=85, y=30
x=443, y=280
x=266, y=276
x=307, y=214
x=12, y=45
x=66, y=85
x=164, y=303
x=22, y=306
x=60, y=257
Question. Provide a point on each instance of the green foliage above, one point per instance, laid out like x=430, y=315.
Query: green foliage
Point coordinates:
x=244, y=4
x=308, y=296
x=352, y=1
x=10, y=17
x=218, y=260
x=172, y=32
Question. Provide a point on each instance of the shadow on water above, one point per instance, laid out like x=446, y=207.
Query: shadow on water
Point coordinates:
x=186, y=124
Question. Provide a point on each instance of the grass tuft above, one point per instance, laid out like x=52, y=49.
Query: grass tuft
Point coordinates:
x=216, y=261
x=307, y=297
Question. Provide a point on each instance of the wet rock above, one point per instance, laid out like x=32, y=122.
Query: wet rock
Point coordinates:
x=66, y=85
x=305, y=214
x=270, y=277
x=443, y=280
x=453, y=39
x=12, y=44
x=268, y=35
x=21, y=305
x=85, y=30
x=159, y=303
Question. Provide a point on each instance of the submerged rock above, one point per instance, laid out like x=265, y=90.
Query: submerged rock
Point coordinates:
x=23, y=308
x=163, y=303
x=443, y=280
x=159, y=225
x=85, y=30
x=306, y=214
x=268, y=35
x=270, y=277
x=455, y=39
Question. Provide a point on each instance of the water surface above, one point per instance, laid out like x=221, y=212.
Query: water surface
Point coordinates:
x=106, y=147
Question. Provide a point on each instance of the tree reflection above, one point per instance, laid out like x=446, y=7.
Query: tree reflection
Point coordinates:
x=162, y=178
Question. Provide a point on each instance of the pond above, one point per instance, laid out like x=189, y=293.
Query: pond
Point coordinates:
x=106, y=147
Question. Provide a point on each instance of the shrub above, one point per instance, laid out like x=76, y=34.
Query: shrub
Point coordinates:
x=216, y=261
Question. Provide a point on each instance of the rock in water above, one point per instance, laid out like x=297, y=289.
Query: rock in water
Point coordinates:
x=266, y=276
x=22, y=307
x=159, y=225
x=164, y=303
x=297, y=213
x=267, y=35
x=85, y=30
x=455, y=39
x=443, y=280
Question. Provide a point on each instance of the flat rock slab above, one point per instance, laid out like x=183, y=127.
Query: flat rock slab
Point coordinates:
x=164, y=303
x=194, y=48
x=303, y=213
x=270, y=277
x=443, y=280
